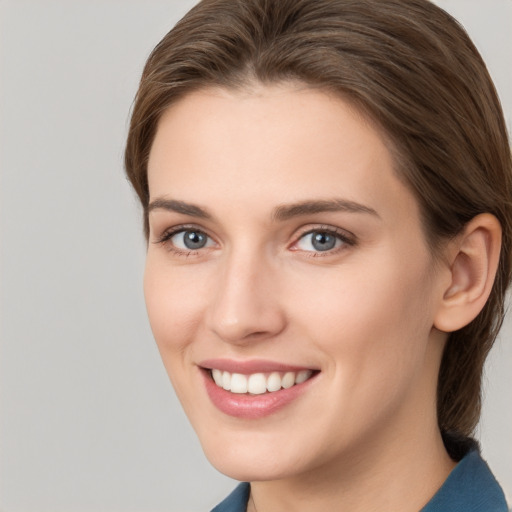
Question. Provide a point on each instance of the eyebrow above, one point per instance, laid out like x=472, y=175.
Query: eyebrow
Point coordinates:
x=280, y=213
x=172, y=205
x=286, y=212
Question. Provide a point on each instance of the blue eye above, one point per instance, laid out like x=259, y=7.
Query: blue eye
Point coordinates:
x=320, y=241
x=190, y=240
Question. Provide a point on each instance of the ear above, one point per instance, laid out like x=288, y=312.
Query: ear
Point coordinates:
x=473, y=262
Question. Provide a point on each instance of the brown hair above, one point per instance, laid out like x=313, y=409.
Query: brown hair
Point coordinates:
x=409, y=66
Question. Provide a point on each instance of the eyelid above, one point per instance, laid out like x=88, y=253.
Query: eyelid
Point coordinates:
x=348, y=238
x=167, y=234
x=173, y=230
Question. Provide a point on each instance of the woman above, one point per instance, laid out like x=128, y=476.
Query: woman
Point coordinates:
x=326, y=191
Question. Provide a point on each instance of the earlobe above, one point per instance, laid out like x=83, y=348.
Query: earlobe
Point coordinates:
x=474, y=259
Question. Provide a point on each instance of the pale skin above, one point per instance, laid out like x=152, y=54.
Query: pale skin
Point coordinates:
x=255, y=173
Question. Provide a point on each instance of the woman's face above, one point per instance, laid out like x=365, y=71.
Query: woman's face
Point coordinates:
x=287, y=261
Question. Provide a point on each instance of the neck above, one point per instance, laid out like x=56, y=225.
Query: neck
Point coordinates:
x=401, y=471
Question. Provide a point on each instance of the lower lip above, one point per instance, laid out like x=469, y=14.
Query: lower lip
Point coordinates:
x=252, y=406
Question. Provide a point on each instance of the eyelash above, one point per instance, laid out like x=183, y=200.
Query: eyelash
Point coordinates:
x=167, y=235
x=347, y=239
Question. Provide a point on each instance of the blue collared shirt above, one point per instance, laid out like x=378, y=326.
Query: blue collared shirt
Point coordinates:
x=470, y=487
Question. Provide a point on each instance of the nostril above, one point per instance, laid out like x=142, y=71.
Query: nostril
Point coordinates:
x=247, y=331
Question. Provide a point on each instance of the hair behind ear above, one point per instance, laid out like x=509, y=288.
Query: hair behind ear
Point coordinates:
x=474, y=261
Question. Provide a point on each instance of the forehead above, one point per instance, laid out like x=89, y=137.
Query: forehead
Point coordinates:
x=283, y=143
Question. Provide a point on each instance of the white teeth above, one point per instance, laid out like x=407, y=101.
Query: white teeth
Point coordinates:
x=288, y=380
x=258, y=383
x=238, y=383
x=226, y=381
x=303, y=376
x=217, y=377
x=274, y=382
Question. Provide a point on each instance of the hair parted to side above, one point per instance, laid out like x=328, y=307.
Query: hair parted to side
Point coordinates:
x=413, y=70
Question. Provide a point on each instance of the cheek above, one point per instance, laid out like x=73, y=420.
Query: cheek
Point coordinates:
x=174, y=305
x=373, y=323
x=174, y=311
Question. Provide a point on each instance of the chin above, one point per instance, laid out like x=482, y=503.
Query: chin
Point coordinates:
x=247, y=468
x=252, y=461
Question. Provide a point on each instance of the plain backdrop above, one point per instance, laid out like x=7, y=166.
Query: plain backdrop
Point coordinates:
x=88, y=420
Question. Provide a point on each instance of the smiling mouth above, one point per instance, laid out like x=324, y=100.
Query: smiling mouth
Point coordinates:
x=259, y=383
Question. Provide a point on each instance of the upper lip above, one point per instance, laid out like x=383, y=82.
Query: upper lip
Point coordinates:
x=250, y=366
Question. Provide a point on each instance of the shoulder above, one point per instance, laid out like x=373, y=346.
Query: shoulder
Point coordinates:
x=470, y=487
x=236, y=501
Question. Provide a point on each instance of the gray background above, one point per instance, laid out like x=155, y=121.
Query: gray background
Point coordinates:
x=88, y=419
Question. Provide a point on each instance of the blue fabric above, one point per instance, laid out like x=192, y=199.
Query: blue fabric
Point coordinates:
x=236, y=501
x=470, y=487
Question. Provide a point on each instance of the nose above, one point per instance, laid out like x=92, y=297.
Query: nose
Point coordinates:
x=246, y=305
